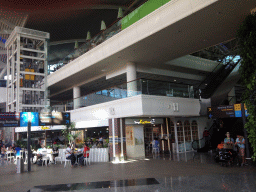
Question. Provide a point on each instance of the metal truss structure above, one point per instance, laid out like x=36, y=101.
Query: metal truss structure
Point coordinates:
x=26, y=70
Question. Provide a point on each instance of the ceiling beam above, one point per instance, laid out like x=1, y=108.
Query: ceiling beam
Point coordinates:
x=9, y=24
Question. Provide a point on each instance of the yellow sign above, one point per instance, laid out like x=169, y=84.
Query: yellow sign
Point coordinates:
x=152, y=121
x=237, y=107
x=44, y=127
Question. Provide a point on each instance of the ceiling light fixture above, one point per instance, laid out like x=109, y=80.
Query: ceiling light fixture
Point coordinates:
x=174, y=80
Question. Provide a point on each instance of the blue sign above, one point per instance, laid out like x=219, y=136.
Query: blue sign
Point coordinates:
x=246, y=113
x=26, y=116
x=238, y=113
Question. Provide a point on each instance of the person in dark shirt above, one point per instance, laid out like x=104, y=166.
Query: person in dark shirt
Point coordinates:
x=207, y=137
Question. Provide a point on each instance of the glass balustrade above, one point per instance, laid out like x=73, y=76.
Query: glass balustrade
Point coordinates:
x=90, y=44
x=130, y=89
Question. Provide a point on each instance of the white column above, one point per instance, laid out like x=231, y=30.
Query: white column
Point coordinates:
x=231, y=96
x=131, y=77
x=76, y=95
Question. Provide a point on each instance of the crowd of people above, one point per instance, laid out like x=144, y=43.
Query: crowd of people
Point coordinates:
x=70, y=154
x=234, y=147
x=12, y=149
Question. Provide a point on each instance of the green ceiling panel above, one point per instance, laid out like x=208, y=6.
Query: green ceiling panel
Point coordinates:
x=142, y=11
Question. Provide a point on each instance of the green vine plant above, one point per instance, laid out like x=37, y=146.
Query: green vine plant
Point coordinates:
x=247, y=49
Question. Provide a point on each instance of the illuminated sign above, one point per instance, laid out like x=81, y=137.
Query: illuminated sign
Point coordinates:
x=226, y=111
x=9, y=119
x=45, y=128
x=33, y=117
x=141, y=121
x=54, y=118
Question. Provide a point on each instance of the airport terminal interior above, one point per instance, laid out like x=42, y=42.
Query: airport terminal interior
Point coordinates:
x=151, y=87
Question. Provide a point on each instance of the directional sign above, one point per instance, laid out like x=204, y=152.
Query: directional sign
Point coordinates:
x=209, y=112
x=226, y=111
x=45, y=119
x=66, y=118
x=54, y=118
x=10, y=119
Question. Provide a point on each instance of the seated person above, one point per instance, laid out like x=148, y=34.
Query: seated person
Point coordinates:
x=81, y=159
x=3, y=150
x=70, y=155
x=39, y=151
x=55, y=152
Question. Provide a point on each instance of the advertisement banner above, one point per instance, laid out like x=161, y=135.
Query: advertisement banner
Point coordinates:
x=9, y=119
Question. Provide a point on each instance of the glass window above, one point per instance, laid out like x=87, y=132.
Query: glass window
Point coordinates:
x=180, y=132
x=194, y=130
x=187, y=131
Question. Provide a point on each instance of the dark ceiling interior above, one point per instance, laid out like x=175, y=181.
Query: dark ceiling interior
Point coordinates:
x=68, y=20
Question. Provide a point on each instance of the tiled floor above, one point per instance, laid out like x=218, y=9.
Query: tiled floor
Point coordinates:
x=184, y=172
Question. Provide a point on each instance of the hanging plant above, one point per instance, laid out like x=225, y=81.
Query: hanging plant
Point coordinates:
x=247, y=50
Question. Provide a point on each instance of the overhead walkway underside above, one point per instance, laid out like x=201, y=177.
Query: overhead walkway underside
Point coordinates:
x=176, y=29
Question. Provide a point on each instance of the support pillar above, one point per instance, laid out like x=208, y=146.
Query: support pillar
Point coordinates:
x=117, y=146
x=131, y=80
x=76, y=97
x=232, y=96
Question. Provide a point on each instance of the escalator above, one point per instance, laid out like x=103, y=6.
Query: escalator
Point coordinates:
x=207, y=87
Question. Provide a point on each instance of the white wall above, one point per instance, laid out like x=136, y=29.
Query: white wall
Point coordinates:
x=163, y=106
x=138, y=106
x=2, y=94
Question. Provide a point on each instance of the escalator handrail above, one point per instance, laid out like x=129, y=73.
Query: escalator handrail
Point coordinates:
x=213, y=71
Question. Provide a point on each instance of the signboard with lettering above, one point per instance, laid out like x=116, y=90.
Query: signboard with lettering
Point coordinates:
x=54, y=118
x=9, y=119
x=226, y=111
x=144, y=121
x=45, y=118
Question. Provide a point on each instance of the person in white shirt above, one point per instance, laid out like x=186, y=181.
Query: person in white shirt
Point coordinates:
x=70, y=155
x=68, y=152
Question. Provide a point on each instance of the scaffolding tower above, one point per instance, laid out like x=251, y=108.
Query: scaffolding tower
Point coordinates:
x=26, y=70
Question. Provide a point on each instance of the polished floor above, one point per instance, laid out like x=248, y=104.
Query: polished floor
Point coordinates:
x=184, y=172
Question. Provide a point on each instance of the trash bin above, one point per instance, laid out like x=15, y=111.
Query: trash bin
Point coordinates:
x=20, y=165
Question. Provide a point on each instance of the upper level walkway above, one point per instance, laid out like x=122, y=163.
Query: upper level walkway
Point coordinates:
x=177, y=28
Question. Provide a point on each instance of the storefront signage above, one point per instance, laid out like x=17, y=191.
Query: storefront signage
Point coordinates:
x=45, y=127
x=141, y=121
x=144, y=121
x=9, y=119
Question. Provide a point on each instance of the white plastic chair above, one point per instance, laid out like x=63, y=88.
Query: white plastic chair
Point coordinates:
x=155, y=150
x=9, y=156
x=59, y=157
x=45, y=158
x=66, y=160
x=87, y=159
